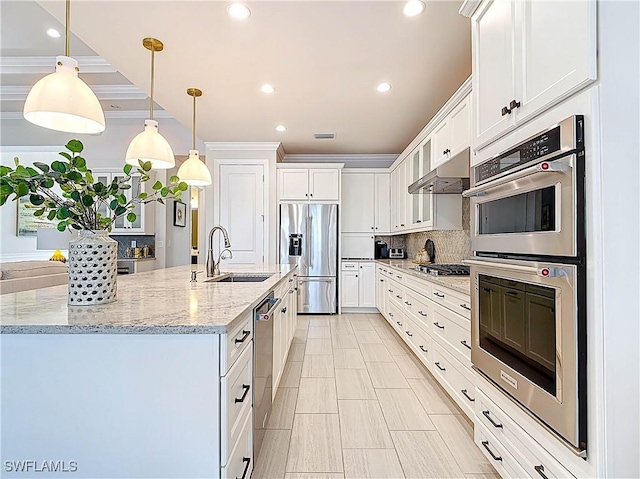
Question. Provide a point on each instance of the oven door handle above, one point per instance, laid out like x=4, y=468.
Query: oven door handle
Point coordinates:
x=544, y=167
x=550, y=272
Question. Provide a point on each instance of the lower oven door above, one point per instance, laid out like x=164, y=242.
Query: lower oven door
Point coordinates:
x=524, y=337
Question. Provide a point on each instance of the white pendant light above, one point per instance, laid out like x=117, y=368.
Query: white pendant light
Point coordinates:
x=62, y=101
x=193, y=171
x=150, y=145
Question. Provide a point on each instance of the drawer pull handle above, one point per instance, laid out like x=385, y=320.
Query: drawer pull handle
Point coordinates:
x=422, y=314
x=382, y=280
x=407, y=303
x=390, y=314
x=246, y=388
x=399, y=323
x=440, y=367
x=540, y=470
x=398, y=296
x=245, y=335
x=465, y=344
x=464, y=306
x=399, y=277
x=292, y=291
x=486, y=446
x=438, y=294
x=495, y=424
x=409, y=334
x=390, y=290
x=284, y=310
x=423, y=350
x=290, y=280
x=464, y=391
x=438, y=325
x=247, y=461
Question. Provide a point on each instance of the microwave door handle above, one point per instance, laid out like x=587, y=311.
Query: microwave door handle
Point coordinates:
x=545, y=272
x=544, y=167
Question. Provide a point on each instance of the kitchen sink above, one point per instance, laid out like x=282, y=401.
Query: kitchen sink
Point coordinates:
x=238, y=278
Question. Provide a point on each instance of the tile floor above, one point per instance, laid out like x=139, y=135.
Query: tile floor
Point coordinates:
x=355, y=403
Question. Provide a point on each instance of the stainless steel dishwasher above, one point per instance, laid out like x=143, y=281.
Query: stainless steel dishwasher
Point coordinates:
x=262, y=367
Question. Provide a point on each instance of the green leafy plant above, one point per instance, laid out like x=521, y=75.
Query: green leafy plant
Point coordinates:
x=82, y=200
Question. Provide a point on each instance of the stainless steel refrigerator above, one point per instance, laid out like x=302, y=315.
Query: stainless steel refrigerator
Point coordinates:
x=309, y=238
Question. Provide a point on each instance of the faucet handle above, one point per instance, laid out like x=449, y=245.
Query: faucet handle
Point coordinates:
x=194, y=276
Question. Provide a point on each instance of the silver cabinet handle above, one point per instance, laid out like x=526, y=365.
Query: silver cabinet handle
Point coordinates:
x=540, y=470
x=464, y=391
x=465, y=344
x=495, y=424
x=486, y=446
x=438, y=326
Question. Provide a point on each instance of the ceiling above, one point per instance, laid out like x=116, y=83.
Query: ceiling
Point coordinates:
x=325, y=59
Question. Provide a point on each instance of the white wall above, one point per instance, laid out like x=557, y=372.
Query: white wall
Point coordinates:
x=619, y=70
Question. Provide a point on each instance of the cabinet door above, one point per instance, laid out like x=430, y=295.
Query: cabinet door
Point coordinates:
x=395, y=224
x=278, y=364
x=367, y=285
x=425, y=199
x=105, y=179
x=122, y=225
x=293, y=184
x=556, y=53
x=460, y=126
x=415, y=173
x=403, y=196
x=357, y=246
x=324, y=184
x=358, y=203
x=493, y=80
x=349, y=289
x=441, y=143
x=382, y=210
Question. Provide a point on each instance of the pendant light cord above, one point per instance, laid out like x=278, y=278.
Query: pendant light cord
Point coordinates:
x=66, y=30
x=153, y=55
x=194, y=122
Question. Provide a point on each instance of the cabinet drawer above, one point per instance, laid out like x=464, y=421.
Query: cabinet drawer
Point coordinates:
x=236, y=399
x=457, y=302
x=349, y=266
x=395, y=293
x=234, y=343
x=531, y=456
x=459, y=380
x=418, y=285
x=418, y=309
x=497, y=454
x=419, y=341
x=240, y=463
x=396, y=318
x=455, y=330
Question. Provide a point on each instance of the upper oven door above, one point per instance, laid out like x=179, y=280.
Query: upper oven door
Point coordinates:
x=532, y=211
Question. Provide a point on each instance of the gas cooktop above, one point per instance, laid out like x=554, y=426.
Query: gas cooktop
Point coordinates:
x=445, y=269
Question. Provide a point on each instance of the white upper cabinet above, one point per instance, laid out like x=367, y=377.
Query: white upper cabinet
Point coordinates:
x=293, y=184
x=400, y=197
x=382, y=213
x=441, y=140
x=358, y=203
x=453, y=134
x=526, y=57
x=492, y=65
x=308, y=184
x=144, y=222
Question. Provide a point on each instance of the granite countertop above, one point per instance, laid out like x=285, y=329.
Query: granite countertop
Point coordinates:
x=461, y=284
x=156, y=302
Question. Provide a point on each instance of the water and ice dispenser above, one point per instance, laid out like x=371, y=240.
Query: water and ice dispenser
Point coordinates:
x=295, y=244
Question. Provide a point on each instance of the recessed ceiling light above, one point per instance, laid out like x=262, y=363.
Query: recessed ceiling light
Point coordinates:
x=383, y=87
x=413, y=8
x=281, y=128
x=266, y=88
x=238, y=10
x=53, y=33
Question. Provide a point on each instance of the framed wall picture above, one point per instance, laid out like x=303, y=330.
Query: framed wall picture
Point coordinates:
x=179, y=214
x=27, y=224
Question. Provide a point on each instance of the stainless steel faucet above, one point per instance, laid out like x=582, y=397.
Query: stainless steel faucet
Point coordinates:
x=213, y=267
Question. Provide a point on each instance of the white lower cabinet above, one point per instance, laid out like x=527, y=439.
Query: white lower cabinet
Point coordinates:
x=358, y=284
x=240, y=462
x=284, y=326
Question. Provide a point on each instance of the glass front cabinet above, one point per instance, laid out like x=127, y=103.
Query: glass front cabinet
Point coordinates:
x=122, y=225
x=421, y=204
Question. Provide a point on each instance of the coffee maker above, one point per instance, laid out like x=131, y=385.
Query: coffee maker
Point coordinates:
x=382, y=250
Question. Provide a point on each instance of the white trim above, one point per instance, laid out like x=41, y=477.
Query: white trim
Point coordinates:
x=338, y=158
x=468, y=7
x=103, y=92
x=447, y=108
x=310, y=165
x=30, y=148
x=47, y=64
x=243, y=146
x=360, y=171
x=112, y=114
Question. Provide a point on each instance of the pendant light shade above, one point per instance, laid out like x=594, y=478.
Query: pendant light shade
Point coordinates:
x=62, y=101
x=150, y=145
x=193, y=171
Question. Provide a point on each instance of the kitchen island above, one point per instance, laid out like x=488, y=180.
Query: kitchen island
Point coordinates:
x=152, y=385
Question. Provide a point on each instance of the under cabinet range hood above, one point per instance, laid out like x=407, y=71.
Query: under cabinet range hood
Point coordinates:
x=451, y=177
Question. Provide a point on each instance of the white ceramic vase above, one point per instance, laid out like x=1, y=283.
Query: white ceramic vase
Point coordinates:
x=93, y=268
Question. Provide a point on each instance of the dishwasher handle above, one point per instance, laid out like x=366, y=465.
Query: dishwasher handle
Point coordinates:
x=273, y=306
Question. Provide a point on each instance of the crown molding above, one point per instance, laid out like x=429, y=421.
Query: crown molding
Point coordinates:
x=47, y=64
x=243, y=146
x=111, y=114
x=103, y=92
x=386, y=159
x=468, y=7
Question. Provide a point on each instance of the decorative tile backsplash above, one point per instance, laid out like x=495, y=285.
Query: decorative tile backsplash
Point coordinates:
x=124, y=242
x=452, y=246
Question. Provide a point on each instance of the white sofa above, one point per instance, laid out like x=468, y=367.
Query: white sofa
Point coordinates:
x=27, y=275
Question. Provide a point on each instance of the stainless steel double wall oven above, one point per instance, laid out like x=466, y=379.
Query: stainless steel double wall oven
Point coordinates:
x=528, y=276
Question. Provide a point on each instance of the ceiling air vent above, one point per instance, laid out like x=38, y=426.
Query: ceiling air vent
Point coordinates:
x=324, y=136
